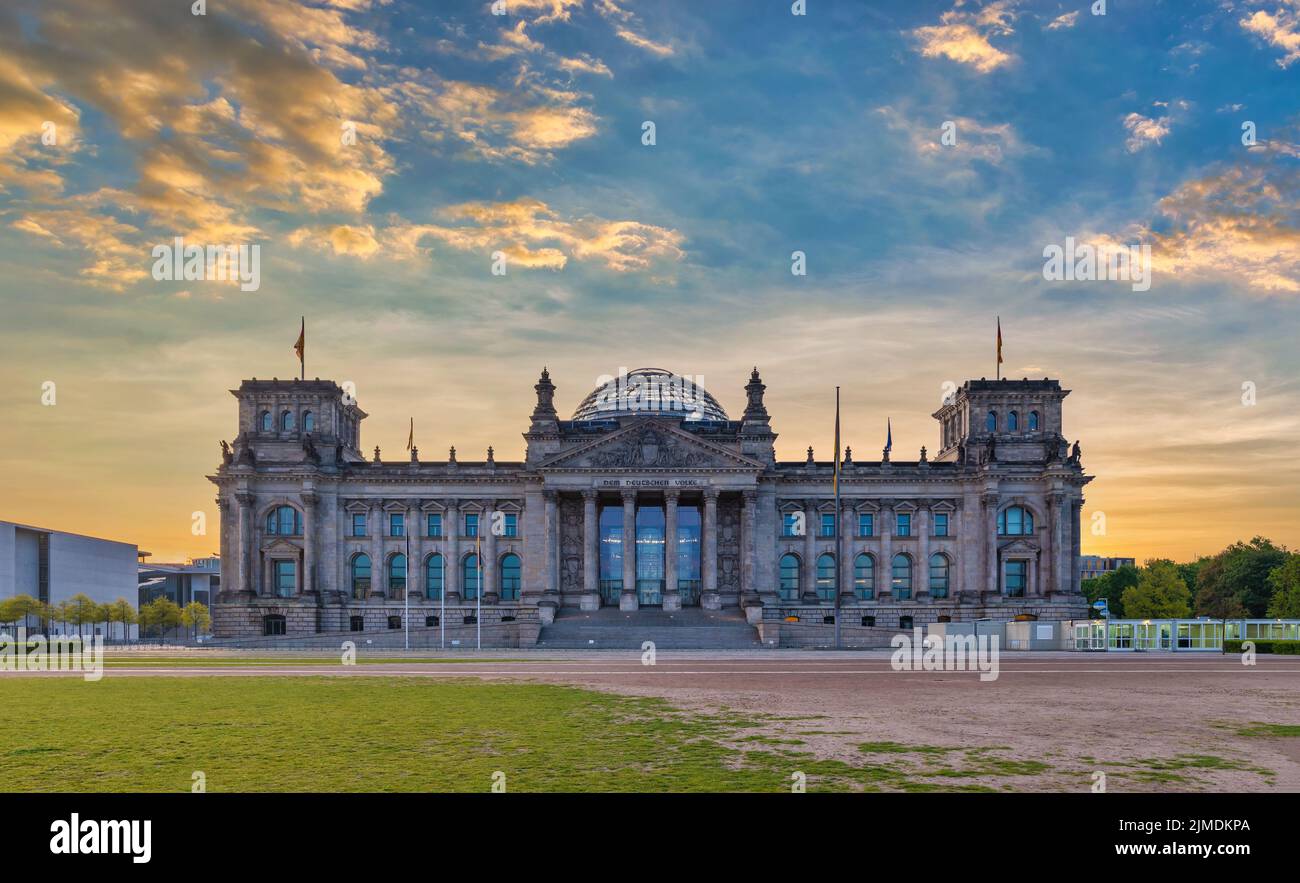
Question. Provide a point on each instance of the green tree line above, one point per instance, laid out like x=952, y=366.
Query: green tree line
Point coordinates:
x=157, y=617
x=1250, y=580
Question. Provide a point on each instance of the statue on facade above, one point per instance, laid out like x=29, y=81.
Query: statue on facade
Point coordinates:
x=226, y=455
x=309, y=449
x=1074, y=455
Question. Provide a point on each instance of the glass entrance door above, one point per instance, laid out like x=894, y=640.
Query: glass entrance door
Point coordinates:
x=650, y=555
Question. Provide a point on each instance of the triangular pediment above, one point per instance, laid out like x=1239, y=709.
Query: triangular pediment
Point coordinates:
x=650, y=445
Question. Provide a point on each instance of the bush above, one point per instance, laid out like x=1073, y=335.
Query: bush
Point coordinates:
x=1278, y=648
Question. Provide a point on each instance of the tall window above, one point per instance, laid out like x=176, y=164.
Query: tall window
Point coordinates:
x=1015, y=578
x=511, y=578
x=284, y=521
x=866, y=524
x=864, y=576
x=361, y=576
x=509, y=524
x=396, y=524
x=611, y=553
x=286, y=578
x=826, y=577
x=901, y=584
x=902, y=525
x=433, y=577
x=267, y=422
x=1013, y=422
x=991, y=422
x=828, y=524
x=1015, y=521
x=938, y=576
x=435, y=524
x=358, y=524
x=1033, y=421
x=286, y=421
x=790, y=522
x=688, y=553
x=941, y=524
x=789, y=577
x=396, y=575
x=471, y=524
x=308, y=421
x=469, y=577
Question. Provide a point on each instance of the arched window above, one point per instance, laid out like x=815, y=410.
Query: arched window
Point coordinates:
x=789, y=577
x=308, y=422
x=361, y=576
x=1015, y=521
x=433, y=577
x=510, y=577
x=902, y=577
x=826, y=577
x=1013, y=421
x=938, y=575
x=991, y=422
x=469, y=577
x=266, y=422
x=286, y=421
x=396, y=575
x=864, y=576
x=1033, y=421
x=284, y=521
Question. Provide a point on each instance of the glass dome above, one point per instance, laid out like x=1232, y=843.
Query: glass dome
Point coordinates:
x=650, y=392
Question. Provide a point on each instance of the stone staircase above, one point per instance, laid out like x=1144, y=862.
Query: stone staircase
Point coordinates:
x=611, y=629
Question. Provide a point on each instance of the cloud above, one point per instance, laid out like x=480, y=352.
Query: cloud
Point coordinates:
x=1281, y=28
x=990, y=143
x=628, y=28
x=528, y=231
x=964, y=36
x=1144, y=131
x=1061, y=22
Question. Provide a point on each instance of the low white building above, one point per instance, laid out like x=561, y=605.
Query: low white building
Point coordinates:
x=54, y=565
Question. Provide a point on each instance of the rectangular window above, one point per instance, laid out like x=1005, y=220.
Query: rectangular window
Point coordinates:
x=866, y=524
x=396, y=524
x=509, y=524
x=435, y=524
x=286, y=578
x=471, y=525
x=828, y=524
x=358, y=524
x=902, y=525
x=941, y=524
x=1016, y=577
x=790, y=522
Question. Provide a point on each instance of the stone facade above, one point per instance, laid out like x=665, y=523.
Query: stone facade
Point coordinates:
x=318, y=538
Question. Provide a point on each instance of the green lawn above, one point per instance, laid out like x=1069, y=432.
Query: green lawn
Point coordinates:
x=275, y=733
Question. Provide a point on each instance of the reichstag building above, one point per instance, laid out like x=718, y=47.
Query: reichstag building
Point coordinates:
x=649, y=496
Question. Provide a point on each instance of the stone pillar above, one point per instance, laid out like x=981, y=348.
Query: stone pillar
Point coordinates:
x=490, y=594
x=844, y=525
x=672, y=600
x=247, y=552
x=551, y=530
x=1052, y=572
x=1072, y=564
x=451, y=528
x=378, y=575
x=991, y=582
x=709, y=598
x=415, y=562
x=748, y=548
x=229, y=580
x=590, y=553
x=922, y=578
x=885, y=567
x=811, y=525
x=628, y=600
x=307, y=582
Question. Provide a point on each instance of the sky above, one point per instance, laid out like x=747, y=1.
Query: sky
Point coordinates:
x=920, y=155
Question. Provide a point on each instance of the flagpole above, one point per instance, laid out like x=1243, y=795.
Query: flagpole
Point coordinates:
x=442, y=620
x=406, y=595
x=303, y=359
x=839, y=528
x=478, y=596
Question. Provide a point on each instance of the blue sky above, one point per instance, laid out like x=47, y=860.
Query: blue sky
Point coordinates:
x=775, y=133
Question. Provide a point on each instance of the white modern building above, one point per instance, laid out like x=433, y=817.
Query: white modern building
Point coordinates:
x=54, y=565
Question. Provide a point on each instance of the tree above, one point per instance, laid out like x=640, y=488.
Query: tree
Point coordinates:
x=1111, y=586
x=1159, y=594
x=18, y=608
x=1285, y=582
x=122, y=611
x=82, y=610
x=161, y=613
x=1234, y=583
x=195, y=617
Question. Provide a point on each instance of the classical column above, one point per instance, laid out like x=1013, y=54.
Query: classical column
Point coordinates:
x=378, y=576
x=590, y=553
x=628, y=600
x=552, y=538
x=990, y=501
x=885, y=567
x=844, y=524
x=247, y=555
x=748, y=548
x=451, y=528
x=672, y=600
x=810, y=527
x=1072, y=565
x=490, y=595
x=228, y=579
x=709, y=599
x=414, y=565
x=308, y=581
x=923, y=547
